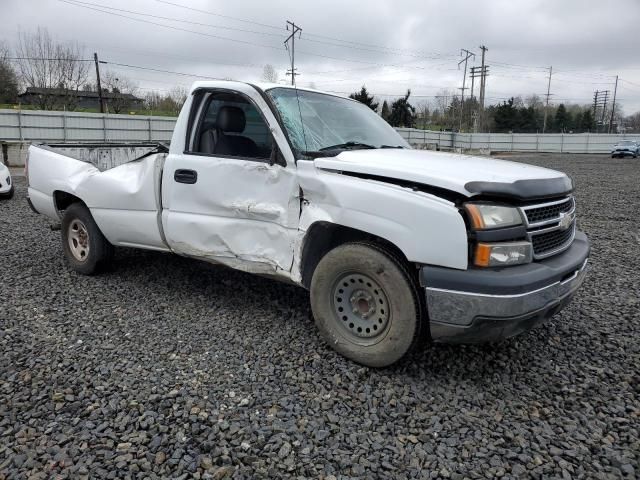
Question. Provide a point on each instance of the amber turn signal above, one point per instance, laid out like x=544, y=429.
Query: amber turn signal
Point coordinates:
x=483, y=255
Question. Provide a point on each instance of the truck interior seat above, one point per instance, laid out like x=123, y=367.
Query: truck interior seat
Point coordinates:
x=230, y=120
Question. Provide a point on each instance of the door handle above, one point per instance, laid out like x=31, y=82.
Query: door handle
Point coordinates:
x=185, y=176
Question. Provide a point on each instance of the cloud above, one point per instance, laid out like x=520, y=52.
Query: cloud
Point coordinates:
x=390, y=46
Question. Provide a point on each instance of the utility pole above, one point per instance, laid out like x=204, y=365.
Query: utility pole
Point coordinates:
x=95, y=59
x=482, y=86
x=546, y=107
x=600, y=98
x=474, y=73
x=613, y=105
x=481, y=73
x=294, y=30
x=605, y=94
x=467, y=55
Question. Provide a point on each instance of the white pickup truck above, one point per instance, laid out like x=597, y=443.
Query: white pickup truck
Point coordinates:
x=318, y=190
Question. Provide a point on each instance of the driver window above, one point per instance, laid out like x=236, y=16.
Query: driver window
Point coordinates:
x=231, y=126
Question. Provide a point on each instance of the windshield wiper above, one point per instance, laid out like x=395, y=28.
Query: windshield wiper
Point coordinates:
x=347, y=145
x=391, y=146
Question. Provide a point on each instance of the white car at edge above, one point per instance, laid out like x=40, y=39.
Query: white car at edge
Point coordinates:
x=6, y=185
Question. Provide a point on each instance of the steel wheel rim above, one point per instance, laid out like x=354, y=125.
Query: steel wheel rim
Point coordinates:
x=78, y=239
x=361, y=308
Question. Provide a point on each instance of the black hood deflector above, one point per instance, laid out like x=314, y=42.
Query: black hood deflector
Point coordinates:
x=533, y=189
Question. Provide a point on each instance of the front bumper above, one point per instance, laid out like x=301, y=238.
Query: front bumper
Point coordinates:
x=623, y=153
x=5, y=183
x=482, y=305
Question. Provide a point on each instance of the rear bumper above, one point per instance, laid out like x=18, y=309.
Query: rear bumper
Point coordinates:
x=477, y=305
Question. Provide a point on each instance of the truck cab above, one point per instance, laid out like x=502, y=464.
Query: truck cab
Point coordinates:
x=318, y=190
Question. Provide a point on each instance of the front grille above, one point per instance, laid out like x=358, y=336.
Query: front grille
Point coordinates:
x=545, y=244
x=549, y=211
x=550, y=226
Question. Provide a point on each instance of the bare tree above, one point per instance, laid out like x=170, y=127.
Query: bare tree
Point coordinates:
x=269, y=74
x=534, y=101
x=122, y=90
x=170, y=103
x=632, y=122
x=179, y=96
x=47, y=64
x=447, y=103
x=423, y=114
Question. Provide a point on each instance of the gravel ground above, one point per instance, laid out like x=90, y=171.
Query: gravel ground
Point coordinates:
x=166, y=367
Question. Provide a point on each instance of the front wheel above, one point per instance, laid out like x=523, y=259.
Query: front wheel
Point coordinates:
x=365, y=304
x=86, y=248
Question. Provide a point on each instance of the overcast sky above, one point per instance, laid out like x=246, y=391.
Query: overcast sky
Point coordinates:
x=388, y=45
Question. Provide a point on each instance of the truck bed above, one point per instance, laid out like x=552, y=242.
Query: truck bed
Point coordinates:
x=124, y=199
x=104, y=156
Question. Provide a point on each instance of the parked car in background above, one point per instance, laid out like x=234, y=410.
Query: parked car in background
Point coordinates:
x=6, y=186
x=318, y=190
x=626, y=147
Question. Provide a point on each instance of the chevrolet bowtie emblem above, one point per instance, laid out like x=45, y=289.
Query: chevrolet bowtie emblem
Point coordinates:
x=565, y=220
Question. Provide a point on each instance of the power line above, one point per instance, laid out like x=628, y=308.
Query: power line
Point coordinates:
x=380, y=47
x=160, y=70
x=219, y=37
x=44, y=59
x=266, y=25
x=171, y=19
x=73, y=2
x=373, y=49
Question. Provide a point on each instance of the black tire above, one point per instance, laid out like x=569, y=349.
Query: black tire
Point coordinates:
x=9, y=194
x=98, y=250
x=364, y=272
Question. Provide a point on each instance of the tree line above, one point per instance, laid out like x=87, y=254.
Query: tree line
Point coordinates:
x=515, y=115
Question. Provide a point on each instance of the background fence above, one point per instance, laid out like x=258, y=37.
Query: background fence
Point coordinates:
x=18, y=128
x=516, y=142
x=38, y=125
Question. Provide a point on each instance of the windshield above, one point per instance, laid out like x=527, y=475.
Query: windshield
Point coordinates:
x=627, y=142
x=319, y=122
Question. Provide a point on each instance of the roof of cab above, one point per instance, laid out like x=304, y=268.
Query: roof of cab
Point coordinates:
x=264, y=86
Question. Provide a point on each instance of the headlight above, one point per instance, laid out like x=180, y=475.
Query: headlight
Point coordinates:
x=502, y=254
x=484, y=216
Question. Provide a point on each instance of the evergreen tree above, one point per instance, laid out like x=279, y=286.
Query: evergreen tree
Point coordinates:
x=386, y=111
x=587, y=124
x=527, y=120
x=563, y=119
x=363, y=97
x=403, y=114
x=8, y=83
x=576, y=124
x=505, y=116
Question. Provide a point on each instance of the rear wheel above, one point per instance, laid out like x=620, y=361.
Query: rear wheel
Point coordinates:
x=365, y=304
x=86, y=248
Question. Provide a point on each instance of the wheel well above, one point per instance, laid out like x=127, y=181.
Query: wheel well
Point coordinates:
x=63, y=200
x=322, y=237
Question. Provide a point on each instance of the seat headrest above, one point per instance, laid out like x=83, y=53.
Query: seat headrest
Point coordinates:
x=231, y=119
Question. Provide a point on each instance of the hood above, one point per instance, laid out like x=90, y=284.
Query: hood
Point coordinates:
x=462, y=174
